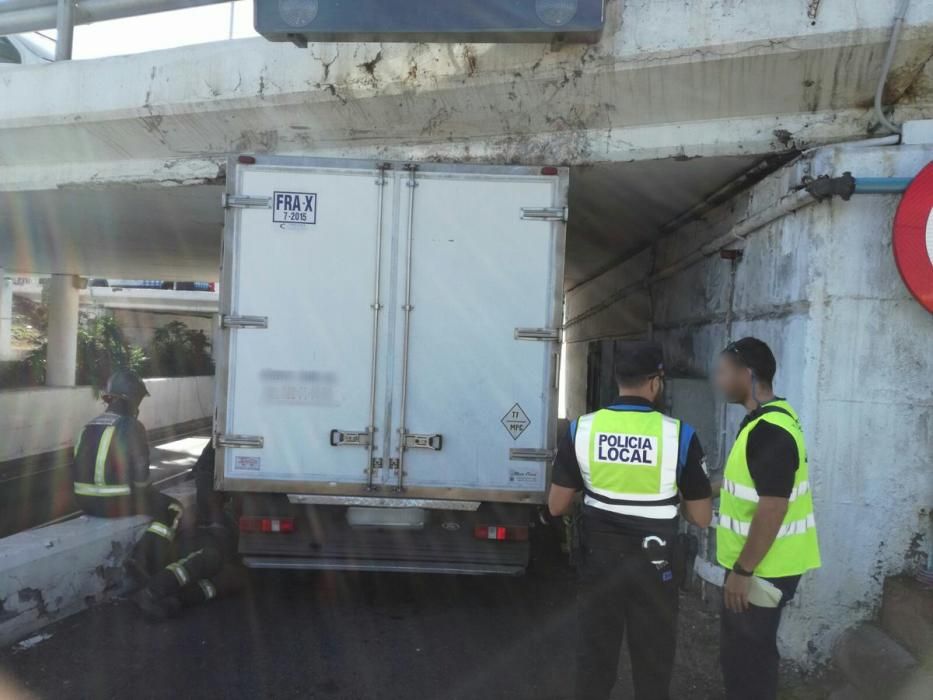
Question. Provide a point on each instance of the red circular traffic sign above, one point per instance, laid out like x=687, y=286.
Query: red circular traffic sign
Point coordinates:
x=913, y=237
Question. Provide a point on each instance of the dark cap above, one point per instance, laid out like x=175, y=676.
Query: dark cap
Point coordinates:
x=638, y=358
x=754, y=354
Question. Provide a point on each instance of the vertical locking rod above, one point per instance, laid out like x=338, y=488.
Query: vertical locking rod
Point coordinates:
x=407, y=308
x=377, y=307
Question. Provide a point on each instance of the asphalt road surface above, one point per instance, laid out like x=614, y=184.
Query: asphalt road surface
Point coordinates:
x=344, y=636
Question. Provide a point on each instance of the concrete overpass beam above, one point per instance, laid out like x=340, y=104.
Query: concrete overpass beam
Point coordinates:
x=6, y=315
x=62, y=362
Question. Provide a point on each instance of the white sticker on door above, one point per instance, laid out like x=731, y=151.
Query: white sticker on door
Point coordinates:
x=246, y=463
x=294, y=207
x=516, y=421
x=528, y=475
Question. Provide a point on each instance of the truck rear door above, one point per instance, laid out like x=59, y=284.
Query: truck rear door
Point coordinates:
x=481, y=342
x=390, y=329
x=300, y=255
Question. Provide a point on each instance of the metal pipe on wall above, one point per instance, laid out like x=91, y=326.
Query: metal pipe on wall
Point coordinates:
x=881, y=185
x=886, y=67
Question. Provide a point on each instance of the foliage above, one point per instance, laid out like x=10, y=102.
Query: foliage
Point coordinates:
x=102, y=350
x=28, y=336
x=179, y=351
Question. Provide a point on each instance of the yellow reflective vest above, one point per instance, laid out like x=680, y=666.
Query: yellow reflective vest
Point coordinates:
x=628, y=460
x=795, y=549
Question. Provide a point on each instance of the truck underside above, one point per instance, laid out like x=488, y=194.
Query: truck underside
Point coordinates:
x=278, y=534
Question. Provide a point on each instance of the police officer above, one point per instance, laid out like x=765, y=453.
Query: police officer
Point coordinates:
x=638, y=469
x=111, y=472
x=766, y=525
x=206, y=556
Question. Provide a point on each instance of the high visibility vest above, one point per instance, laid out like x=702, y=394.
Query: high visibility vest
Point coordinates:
x=98, y=461
x=796, y=549
x=628, y=460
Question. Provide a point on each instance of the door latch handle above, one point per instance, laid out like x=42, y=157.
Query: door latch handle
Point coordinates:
x=428, y=442
x=342, y=438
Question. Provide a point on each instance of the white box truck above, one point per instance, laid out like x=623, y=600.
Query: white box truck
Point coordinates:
x=388, y=361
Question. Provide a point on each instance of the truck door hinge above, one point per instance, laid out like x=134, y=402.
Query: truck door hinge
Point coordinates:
x=530, y=454
x=537, y=334
x=231, y=321
x=242, y=201
x=544, y=213
x=247, y=441
x=349, y=438
x=428, y=442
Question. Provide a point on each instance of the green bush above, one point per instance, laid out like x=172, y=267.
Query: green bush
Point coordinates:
x=179, y=351
x=102, y=350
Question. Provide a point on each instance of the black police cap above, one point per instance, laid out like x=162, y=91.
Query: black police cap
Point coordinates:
x=639, y=358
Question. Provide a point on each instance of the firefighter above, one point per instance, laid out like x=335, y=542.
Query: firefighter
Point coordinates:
x=638, y=470
x=206, y=564
x=111, y=473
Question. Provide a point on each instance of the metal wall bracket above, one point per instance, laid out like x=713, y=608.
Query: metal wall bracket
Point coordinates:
x=230, y=321
x=537, y=334
x=242, y=201
x=349, y=438
x=528, y=454
x=246, y=441
x=428, y=442
x=544, y=213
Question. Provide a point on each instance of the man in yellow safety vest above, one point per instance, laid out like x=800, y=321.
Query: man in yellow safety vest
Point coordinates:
x=766, y=524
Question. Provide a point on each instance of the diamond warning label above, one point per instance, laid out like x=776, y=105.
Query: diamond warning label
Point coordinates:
x=516, y=421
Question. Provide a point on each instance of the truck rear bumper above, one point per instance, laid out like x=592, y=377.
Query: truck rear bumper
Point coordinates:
x=423, y=540
x=402, y=567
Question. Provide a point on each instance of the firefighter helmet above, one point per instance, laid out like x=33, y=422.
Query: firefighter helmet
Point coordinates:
x=126, y=384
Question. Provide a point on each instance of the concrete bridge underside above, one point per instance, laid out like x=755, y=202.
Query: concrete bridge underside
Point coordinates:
x=115, y=166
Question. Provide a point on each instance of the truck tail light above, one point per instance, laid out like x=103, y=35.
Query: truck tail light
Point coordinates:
x=260, y=524
x=501, y=533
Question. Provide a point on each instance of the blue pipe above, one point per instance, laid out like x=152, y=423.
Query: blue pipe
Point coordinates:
x=881, y=185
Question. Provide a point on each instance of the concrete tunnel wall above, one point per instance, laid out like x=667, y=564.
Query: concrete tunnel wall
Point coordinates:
x=853, y=351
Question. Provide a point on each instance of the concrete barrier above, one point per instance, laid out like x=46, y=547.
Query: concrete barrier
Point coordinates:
x=52, y=572
x=46, y=419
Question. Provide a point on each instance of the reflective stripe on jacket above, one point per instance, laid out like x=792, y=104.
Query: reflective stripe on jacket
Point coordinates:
x=104, y=457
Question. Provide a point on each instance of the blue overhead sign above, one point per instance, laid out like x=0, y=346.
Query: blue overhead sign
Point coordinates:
x=304, y=21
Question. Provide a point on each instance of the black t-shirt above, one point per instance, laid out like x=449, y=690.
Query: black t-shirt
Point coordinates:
x=772, y=456
x=692, y=480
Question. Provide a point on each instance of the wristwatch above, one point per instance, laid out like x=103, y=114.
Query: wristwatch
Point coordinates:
x=736, y=568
